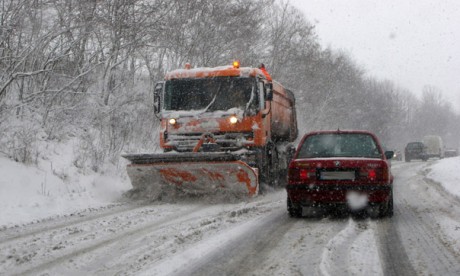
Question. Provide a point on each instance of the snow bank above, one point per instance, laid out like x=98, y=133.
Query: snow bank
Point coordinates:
x=54, y=187
x=447, y=173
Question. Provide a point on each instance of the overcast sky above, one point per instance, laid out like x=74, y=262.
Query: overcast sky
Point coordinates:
x=411, y=42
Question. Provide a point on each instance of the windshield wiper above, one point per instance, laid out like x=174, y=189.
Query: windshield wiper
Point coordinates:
x=213, y=100
x=249, y=102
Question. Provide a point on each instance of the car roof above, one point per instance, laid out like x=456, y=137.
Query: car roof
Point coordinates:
x=339, y=132
x=411, y=143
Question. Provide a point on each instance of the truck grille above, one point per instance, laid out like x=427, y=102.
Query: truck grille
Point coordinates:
x=226, y=141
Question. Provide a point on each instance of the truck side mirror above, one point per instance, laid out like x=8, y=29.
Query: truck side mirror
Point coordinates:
x=157, y=92
x=269, y=91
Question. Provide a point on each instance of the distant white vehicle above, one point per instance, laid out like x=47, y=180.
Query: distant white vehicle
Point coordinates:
x=434, y=146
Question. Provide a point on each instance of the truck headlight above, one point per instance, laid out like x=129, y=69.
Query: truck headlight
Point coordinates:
x=172, y=121
x=233, y=120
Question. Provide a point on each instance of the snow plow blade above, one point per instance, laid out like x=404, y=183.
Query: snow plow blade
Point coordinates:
x=191, y=173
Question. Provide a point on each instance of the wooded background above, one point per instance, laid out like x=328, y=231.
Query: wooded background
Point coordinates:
x=85, y=69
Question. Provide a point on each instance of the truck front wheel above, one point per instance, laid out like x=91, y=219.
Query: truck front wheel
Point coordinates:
x=264, y=164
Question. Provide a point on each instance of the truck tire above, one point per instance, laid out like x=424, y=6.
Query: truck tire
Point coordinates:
x=264, y=165
x=273, y=156
x=284, y=158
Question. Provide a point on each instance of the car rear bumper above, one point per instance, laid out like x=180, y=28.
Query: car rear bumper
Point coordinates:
x=335, y=194
x=416, y=155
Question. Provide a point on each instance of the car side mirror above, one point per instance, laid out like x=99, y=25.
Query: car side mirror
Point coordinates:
x=157, y=91
x=269, y=91
x=389, y=154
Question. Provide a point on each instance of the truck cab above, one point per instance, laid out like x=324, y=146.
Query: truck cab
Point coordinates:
x=236, y=107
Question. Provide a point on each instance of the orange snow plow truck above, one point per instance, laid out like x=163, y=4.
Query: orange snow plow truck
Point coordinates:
x=224, y=129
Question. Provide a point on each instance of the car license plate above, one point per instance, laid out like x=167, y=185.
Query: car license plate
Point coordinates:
x=337, y=175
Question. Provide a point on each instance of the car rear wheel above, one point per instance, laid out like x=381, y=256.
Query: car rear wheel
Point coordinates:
x=388, y=207
x=294, y=211
x=390, y=211
x=381, y=210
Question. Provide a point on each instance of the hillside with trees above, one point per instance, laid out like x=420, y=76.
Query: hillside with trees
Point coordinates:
x=85, y=70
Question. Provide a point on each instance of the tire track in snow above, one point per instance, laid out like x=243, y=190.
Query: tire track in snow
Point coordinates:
x=393, y=254
x=426, y=250
x=46, y=262
x=14, y=234
x=419, y=206
x=143, y=251
x=236, y=251
x=353, y=251
x=117, y=246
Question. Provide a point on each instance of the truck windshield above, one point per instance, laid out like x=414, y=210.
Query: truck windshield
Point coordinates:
x=211, y=94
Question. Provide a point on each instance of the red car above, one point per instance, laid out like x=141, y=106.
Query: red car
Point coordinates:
x=333, y=169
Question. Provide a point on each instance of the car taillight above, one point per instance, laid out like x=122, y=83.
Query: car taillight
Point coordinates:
x=372, y=175
x=301, y=174
x=376, y=174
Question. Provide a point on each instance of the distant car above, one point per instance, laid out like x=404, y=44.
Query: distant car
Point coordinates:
x=415, y=150
x=397, y=155
x=331, y=169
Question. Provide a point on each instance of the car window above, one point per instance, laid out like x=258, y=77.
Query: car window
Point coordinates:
x=339, y=145
x=414, y=146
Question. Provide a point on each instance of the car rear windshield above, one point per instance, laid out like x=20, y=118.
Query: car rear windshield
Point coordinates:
x=414, y=145
x=339, y=145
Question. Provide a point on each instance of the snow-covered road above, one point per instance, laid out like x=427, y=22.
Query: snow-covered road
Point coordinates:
x=249, y=238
